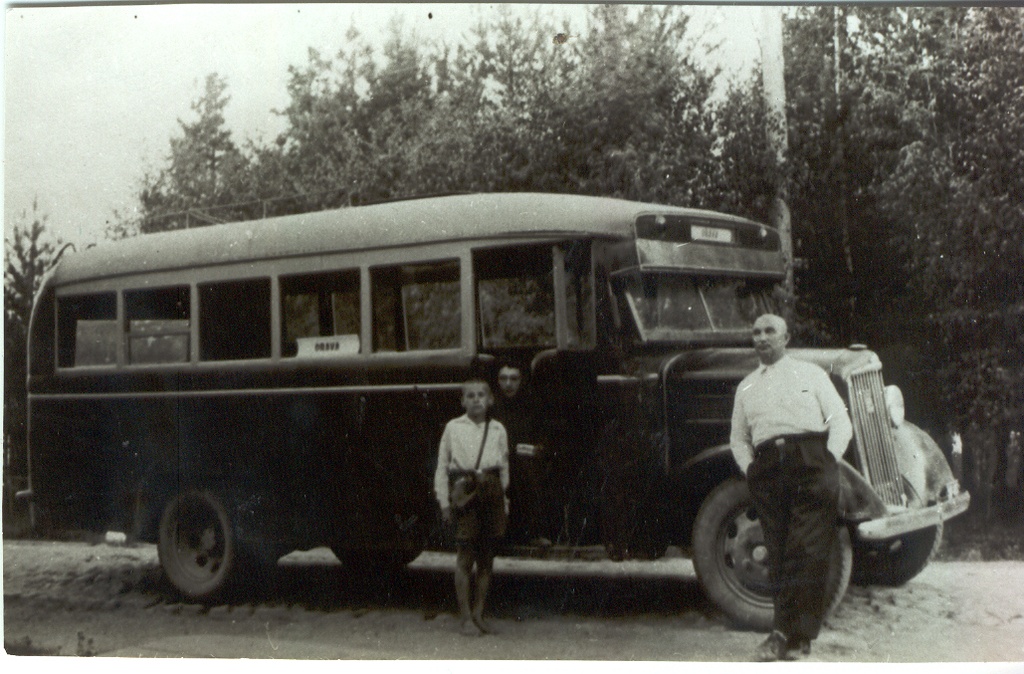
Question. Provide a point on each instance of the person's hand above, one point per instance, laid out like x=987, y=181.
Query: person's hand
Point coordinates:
x=446, y=515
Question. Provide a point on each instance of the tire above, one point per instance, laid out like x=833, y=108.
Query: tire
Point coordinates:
x=196, y=544
x=895, y=562
x=732, y=562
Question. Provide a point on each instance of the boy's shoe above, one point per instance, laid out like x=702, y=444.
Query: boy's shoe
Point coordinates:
x=540, y=542
x=469, y=628
x=773, y=648
x=484, y=626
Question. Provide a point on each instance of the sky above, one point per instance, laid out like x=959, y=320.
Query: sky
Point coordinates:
x=93, y=94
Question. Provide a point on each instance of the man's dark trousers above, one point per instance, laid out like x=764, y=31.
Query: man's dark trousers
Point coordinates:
x=794, y=486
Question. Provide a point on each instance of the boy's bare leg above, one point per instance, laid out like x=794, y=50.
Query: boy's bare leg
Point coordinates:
x=484, y=567
x=463, y=578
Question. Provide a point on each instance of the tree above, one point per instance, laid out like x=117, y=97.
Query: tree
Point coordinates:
x=959, y=186
x=204, y=180
x=624, y=112
x=348, y=120
x=637, y=118
x=919, y=150
x=505, y=85
x=30, y=254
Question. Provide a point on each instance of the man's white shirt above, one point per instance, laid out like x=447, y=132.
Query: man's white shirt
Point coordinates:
x=787, y=397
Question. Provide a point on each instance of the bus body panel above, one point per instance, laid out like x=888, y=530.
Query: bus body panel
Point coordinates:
x=307, y=468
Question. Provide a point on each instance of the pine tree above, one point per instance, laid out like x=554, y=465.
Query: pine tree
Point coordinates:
x=30, y=254
x=203, y=182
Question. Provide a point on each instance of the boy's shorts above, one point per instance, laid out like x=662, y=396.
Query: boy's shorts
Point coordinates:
x=485, y=516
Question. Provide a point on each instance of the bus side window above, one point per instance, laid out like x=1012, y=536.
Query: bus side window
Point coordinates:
x=234, y=320
x=319, y=305
x=87, y=330
x=515, y=297
x=157, y=323
x=416, y=306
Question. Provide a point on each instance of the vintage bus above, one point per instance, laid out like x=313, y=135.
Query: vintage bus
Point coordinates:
x=239, y=391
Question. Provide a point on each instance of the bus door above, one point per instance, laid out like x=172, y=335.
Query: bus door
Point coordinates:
x=417, y=362
x=321, y=363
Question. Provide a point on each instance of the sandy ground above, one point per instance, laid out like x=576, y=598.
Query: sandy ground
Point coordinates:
x=110, y=600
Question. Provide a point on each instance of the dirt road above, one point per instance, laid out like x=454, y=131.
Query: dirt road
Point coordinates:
x=109, y=600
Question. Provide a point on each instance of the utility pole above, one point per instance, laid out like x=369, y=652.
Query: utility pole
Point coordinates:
x=839, y=159
x=774, y=84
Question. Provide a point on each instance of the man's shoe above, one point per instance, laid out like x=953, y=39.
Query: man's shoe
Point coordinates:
x=773, y=648
x=802, y=645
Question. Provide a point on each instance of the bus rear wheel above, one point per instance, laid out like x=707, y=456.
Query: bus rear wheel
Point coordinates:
x=196, y=544
x=732, y=561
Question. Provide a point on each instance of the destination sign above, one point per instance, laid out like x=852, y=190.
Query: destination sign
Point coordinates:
x=716, y=234
x=683, y=229
x=319, y=347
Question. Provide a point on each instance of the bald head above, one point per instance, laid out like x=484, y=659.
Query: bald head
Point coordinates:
x=770, y=338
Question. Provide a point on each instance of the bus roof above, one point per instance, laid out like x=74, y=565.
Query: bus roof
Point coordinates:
x=400, y=223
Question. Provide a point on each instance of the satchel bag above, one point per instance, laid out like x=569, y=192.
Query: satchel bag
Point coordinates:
x=463, y=490
x=464, y=487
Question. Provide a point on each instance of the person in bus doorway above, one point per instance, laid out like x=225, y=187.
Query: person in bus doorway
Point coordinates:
x=470, y=482
x=789, y=428
x=515, y=410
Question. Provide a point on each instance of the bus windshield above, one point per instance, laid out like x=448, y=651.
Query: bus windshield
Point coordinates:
x=669, y=306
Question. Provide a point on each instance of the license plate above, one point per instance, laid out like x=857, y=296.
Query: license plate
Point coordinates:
x=716, y=234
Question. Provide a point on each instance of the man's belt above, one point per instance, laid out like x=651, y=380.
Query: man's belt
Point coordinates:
x=780, y=442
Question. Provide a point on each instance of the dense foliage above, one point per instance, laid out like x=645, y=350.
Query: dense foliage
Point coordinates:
x=908, y=185
x=622, y=108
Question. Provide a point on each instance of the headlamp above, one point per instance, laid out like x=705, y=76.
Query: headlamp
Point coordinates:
x=894, y=405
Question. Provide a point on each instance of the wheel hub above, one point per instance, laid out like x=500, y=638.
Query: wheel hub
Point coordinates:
x=200, y=552
x=745, y=552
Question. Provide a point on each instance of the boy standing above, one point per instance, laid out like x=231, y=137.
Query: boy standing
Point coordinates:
x=476, y=447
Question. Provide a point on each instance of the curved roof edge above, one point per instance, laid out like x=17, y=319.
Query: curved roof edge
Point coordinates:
x=398, y=223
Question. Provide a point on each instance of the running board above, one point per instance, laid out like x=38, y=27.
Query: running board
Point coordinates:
x=586, y=553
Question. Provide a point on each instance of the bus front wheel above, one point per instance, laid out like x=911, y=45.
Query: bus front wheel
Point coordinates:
x=731, y=560
x=895, y=562
x=196, y=544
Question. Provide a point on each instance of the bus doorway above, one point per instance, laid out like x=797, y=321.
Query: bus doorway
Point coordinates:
x=536, y=314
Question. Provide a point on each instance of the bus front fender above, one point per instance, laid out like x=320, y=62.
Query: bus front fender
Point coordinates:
x=858, y=501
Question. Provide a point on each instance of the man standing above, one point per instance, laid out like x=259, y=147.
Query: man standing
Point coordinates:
x=789, y=427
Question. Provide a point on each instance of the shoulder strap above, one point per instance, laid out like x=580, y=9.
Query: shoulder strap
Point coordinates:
x=480, y=454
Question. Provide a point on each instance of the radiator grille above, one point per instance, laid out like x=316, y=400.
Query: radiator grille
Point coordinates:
x=876, y=444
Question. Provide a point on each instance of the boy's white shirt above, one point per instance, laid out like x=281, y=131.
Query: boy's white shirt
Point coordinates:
x=459, y=447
